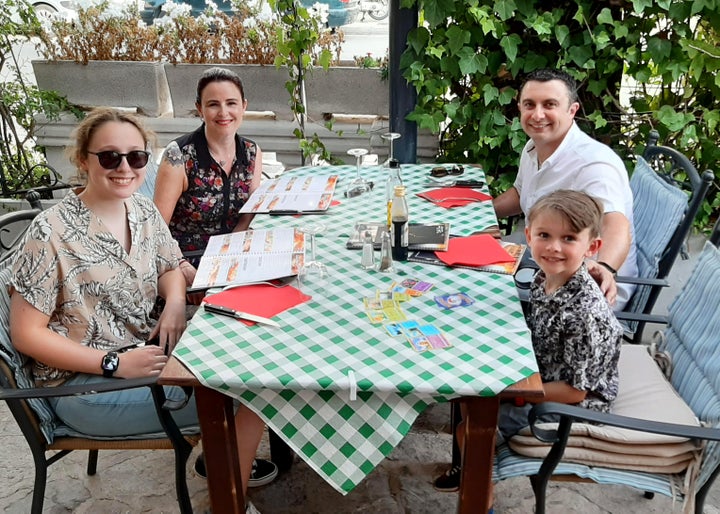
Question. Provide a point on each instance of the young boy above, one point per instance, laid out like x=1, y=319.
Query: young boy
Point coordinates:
x=575, y=334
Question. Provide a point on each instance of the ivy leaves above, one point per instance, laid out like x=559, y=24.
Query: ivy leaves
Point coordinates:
x=641, y=64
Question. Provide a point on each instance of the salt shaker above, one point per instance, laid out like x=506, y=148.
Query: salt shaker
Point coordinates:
x=386, y=261
x=367, y=260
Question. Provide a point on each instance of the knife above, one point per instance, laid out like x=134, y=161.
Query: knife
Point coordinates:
x=456, y=183
x=226, y=311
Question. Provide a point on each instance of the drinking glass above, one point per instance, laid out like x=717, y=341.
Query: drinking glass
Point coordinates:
x=390, y=137
x=313, y=271
x=358, y=185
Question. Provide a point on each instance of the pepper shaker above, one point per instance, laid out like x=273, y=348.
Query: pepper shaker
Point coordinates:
x=386, y=260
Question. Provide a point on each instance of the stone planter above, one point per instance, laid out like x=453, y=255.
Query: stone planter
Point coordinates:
x=264, y=87
x=339, y=90
x=139, y=85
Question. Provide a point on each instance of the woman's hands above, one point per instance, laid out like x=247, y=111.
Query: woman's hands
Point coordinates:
x=146, y=361
x=170, y=326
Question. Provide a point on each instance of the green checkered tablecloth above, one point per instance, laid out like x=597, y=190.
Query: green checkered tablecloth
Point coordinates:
x=301, y=378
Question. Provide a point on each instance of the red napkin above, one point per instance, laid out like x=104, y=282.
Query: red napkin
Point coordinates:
x=476, y=251
x=259, y=299
x=454, y=196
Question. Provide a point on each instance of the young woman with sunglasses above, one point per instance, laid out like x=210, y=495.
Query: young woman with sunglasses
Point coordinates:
x=85, y=283
x=205, y=177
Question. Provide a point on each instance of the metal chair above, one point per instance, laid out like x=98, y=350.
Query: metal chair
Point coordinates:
x=13, y=225
x=49, y=440
x=689, y=346
x=667, y=195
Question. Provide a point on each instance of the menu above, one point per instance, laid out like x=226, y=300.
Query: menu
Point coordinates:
x=250, y=256
x=292, y=195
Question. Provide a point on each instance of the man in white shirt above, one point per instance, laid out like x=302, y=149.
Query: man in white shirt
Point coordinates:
x=561, y=156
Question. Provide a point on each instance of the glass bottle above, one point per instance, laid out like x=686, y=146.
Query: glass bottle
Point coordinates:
x=367, y=260
x=400, y=222
x=393, y=179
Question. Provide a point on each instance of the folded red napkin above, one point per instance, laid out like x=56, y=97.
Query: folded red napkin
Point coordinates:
x=259, y=299
x=478, y=250
x=454, y=196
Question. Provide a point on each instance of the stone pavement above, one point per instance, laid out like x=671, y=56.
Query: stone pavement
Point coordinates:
x=143, y=481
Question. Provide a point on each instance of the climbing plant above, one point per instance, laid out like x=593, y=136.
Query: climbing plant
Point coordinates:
x=641, y=64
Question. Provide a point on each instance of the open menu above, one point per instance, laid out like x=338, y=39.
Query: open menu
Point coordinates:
x=250, y=256
x=292, y=195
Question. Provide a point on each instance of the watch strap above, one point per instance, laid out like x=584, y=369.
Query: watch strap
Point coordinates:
x=608, y=267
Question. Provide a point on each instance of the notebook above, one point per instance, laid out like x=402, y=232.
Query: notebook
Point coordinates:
x=503, y=268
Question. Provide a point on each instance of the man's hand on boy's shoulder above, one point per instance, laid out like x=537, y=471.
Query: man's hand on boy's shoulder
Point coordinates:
x=605, y=280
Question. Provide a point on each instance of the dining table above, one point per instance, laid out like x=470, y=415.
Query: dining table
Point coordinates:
x=339, y=388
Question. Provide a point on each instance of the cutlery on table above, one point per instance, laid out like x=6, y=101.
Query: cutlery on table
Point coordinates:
x=454, y=183
x=232, y=313
x=452, y=198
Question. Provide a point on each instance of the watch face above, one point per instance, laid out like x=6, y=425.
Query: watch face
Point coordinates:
x=110, y=361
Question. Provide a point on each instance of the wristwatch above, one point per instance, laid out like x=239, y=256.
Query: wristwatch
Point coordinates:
x=110, y=363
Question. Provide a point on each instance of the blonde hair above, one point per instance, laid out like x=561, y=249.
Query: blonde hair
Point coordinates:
x=578, y=209
x=87, y=128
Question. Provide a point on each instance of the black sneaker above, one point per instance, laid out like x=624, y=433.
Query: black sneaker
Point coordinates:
x=200, y=465
x=448, y=482
x=263, y=472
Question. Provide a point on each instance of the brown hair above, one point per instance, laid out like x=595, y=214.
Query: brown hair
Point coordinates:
x=578, y=209
x=217, y=75
x=85, y=131
x=548, y=74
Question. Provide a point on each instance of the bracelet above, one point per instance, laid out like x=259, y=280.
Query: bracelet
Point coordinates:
x=608, y=267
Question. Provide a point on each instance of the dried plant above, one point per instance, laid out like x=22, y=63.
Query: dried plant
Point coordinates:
x=106, y=32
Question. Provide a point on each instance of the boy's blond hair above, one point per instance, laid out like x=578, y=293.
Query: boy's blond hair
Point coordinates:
x=578, y=209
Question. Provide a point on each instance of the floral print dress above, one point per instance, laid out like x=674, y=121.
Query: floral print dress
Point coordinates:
x=213, y=198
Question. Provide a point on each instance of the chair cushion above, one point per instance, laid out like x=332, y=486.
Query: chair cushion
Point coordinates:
x=658, y=209
x=692, y=337
x=18, y=363
x=644, y=393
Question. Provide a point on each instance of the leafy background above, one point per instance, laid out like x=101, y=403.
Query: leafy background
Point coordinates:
x=467, y=58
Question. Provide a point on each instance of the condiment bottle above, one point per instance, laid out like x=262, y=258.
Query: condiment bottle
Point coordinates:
x=367, y=260
x=400, y=221
x=393, y=180
x=386, y=260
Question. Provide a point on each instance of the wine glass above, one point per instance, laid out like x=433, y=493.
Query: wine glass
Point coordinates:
x=313, y=272
x=359, y=185
x=390, y=137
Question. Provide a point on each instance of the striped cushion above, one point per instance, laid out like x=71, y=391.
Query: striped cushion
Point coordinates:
x=658, y=208
x=18, y=363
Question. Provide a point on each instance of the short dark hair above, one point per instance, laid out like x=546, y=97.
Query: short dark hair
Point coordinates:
x=217, y=75
x=578, y=209
x=548, y=74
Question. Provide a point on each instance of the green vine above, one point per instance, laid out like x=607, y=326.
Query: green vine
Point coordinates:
x=21, y=162
x=299, y=51
x=641, y=65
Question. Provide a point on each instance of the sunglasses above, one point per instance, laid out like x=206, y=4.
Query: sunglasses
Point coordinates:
x=111, y=159
x=442, y=171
